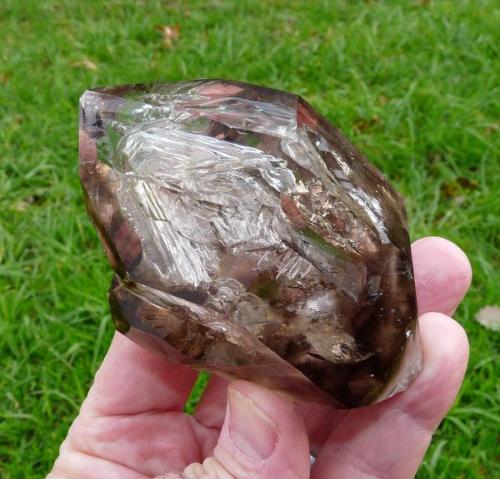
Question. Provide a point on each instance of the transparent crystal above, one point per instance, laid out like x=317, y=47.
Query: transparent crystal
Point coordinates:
x=250, y=238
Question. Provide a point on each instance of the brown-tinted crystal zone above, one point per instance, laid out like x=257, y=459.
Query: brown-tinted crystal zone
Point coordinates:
x=250, y=238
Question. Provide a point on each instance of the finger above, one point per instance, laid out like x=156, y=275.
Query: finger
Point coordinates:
x=211, y=409
x=262, y=438
x=132, y=380
x=442, y=274
x=389, y=439
x=319, y=420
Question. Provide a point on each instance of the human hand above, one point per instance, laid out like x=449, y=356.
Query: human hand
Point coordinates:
x=132, y=425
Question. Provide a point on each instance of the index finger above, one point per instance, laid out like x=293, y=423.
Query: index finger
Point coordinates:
x=132, y=380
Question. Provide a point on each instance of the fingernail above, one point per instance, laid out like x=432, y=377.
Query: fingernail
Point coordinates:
x=251, y=430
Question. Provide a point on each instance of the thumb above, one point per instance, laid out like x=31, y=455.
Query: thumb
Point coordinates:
x=262, y=438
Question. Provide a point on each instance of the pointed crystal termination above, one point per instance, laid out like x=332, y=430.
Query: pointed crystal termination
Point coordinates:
x=250, y=238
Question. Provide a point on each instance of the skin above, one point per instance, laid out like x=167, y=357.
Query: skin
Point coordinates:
x=131, y=425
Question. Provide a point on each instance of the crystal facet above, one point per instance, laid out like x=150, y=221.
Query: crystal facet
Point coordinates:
x=250, y=238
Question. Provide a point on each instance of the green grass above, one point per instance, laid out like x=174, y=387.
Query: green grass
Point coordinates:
x=413, y=83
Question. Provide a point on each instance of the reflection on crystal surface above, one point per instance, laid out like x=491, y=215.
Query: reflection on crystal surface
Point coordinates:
x=250, y=238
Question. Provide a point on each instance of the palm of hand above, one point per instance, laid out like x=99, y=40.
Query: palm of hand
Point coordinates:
x=132, y=425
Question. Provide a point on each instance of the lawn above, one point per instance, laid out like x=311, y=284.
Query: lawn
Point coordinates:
x=415, y=84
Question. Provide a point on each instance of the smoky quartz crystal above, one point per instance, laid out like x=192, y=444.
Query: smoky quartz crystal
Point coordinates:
x=250, y=238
